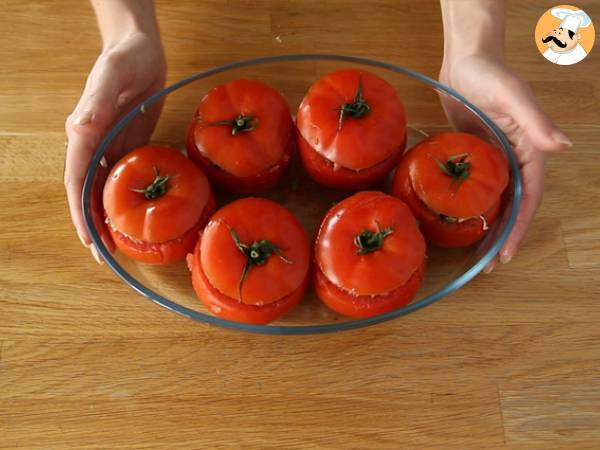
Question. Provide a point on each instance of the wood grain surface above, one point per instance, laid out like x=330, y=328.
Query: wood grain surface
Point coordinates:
x=511, y=361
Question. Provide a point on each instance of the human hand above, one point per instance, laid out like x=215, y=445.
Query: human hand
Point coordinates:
x=126, y=72
x=491, y=86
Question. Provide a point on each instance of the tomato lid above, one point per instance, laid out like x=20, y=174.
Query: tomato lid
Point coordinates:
x=353, y=143
x=262, y=137
x=176, y=194
x=345, y=256
x=267, y=228
x=457, y=174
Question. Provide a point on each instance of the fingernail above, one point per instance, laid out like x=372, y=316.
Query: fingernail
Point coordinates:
x=121, y=101
x=562, y=138
x=103, y=162
x=83, y=119
x=488, y=269
x=96, y=255
x=505, y=258
x=85, y=244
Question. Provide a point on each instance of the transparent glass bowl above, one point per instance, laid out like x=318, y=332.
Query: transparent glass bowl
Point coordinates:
x=425, y=101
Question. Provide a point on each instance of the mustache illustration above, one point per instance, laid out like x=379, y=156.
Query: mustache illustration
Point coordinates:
x=556, y=41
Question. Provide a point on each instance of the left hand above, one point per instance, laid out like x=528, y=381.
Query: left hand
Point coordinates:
x=125, y=73
x=491, y=86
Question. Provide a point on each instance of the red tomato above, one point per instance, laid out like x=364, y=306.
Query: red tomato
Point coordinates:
x=251, y=264
x=241, y=135
x=156, y=201
x=453, y=182
x=351, y=129
x=232, y=309
x=320, y=169
x=370, y=255
x=363, y=306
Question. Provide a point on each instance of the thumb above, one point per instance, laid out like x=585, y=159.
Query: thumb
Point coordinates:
x=94, y=113
x=541, y=132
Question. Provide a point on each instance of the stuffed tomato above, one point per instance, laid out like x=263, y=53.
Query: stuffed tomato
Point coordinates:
x=241, y=135
x=251, y=263
x=156, y=201
x=351, y=129
x=369, y=254
x=453, y=183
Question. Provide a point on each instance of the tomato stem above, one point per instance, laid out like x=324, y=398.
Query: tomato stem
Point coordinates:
x=368, y=241
x=257, y=254
x=356, y=109
x=241, y=123
x=457, y=167
x=157, y=188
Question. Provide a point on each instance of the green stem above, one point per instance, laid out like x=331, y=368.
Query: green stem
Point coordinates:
x=356, y=109
x=369, y=241
x=257, y=254
x=456, y=166
x=241, y=123
x=157, y=188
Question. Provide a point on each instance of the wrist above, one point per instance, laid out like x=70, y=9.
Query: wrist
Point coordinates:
x=120, y=19
x=472, y=28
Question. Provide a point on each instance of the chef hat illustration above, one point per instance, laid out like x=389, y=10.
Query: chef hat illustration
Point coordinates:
x=571, y=19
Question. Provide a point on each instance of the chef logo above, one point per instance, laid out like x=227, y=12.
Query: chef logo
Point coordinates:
x=564, y=35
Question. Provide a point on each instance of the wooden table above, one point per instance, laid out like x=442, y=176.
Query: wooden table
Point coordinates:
x=513, y=360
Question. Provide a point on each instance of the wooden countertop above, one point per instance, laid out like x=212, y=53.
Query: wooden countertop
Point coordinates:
x=512, y=360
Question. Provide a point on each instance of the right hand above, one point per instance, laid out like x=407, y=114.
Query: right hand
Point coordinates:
x=124, y=75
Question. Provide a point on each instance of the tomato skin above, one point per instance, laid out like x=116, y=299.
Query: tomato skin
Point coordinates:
x=467, y=198
x=364, y=284
x=253, y=220
x=380, y=271
x=436, y=230
x=323, y=172
x=364, y=306
x=361, y=149
x=234, y=285
x=250, y=161
x=159, y=229
x=164, y=252
x=243, y=185
x=160, y=219
x=458, y=235
x=231, y=309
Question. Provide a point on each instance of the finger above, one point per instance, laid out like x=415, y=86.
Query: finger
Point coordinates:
x=85, y=127
x=97, y=208
x=79, y=151
x=533, y=189
x=96, y=255
x=489, y=267
x=539, y=129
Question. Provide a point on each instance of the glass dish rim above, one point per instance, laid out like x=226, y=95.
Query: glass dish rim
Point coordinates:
x=450, y=287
